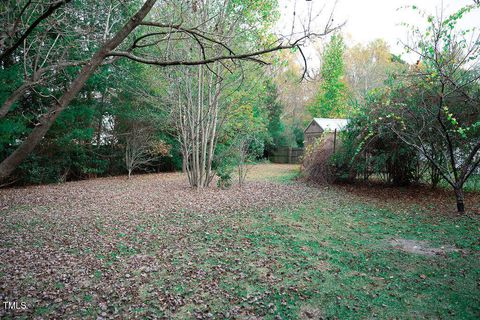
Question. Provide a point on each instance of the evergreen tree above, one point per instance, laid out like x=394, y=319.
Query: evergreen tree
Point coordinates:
x=331, y=98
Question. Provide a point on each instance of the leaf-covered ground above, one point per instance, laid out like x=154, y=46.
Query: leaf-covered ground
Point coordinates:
x=153, y=248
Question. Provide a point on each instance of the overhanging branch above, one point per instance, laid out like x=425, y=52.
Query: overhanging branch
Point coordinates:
x=245, y=56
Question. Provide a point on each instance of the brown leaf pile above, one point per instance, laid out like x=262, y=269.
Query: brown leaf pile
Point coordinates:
x=109, y=248
x=154, y=193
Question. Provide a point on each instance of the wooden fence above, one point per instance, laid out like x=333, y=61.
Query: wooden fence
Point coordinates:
x=286, y=155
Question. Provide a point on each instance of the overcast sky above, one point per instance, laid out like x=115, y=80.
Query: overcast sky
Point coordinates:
x=367, y=20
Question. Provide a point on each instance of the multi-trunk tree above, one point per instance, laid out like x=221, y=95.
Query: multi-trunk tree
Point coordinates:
x=197, y=115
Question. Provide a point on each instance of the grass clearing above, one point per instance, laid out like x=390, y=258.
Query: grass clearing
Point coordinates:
x=329, y=256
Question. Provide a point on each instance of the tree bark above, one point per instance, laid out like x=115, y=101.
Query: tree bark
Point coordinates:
x=460, y=197
x=5, y=108
x=33, y=139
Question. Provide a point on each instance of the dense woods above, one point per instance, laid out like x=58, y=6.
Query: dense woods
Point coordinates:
x=75, y=82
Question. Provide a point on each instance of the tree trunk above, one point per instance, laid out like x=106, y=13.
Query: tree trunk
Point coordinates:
x=434, y=176
x=460, y=197
x=21, y=153
x=12, y=99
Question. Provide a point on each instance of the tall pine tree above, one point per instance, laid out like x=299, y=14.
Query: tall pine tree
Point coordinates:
x=331, y=100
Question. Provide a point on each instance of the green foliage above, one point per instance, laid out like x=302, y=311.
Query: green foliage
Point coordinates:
x=87, y=139
x=255, y=11
x=10, y=79
x=331, y=100
x=10, y=129
x=370, y=148
x=436, y=107
x=276, y=128
x=254, y=118
x=423, y=124
x=241, y=143
x=225, y=173
x=252, y=125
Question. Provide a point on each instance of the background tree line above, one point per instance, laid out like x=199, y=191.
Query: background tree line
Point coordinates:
x=78, y=96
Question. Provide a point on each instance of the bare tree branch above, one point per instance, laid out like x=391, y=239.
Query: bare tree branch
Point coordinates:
x=11, y=48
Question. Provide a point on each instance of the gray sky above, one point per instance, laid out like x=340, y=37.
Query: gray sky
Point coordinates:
x=367, y=20
x=371, y=19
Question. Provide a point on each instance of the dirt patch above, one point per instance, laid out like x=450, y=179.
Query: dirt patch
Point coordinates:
x=421, y=247
x=310, y=312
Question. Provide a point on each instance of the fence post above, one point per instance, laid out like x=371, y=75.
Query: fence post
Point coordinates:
x=289, y=154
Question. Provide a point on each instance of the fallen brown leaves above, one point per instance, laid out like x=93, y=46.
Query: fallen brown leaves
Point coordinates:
x=148, y=193
x=153, y=247
x=117, y=248
x=435, y=201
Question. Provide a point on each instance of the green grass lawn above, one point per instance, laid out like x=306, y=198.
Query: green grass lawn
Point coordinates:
x=335, y=261
x=329, y=258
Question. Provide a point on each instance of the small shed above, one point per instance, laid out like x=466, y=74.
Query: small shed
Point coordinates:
x=318, y=126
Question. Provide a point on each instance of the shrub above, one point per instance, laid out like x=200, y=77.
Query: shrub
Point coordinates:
x=317, y=165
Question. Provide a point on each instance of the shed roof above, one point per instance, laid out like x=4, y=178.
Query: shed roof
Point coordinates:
x=331, y=124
